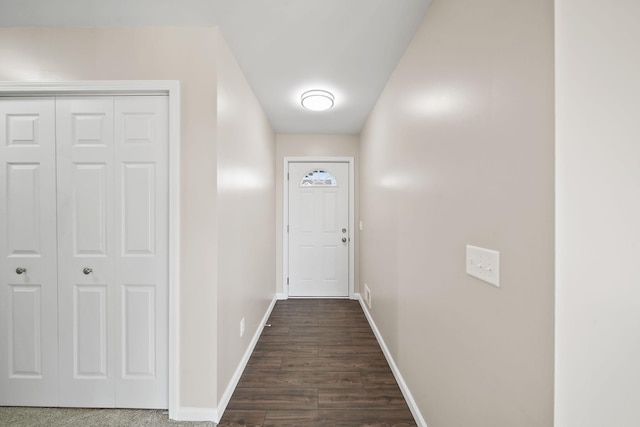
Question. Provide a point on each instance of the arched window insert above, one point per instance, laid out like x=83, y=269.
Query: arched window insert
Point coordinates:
x=318, y=178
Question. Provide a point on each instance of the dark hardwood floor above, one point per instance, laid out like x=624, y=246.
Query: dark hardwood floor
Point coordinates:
x=318, y=364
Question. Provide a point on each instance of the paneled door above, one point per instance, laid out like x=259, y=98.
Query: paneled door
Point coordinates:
x=142, y=251
x=112, y=246
x=87, y=297
x=28, y=266
x=319, y=235
x=84, y=251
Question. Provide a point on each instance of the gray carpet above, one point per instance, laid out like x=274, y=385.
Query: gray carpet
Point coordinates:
x=77, y=417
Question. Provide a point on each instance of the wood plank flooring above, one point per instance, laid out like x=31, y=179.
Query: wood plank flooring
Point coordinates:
x=319, y=364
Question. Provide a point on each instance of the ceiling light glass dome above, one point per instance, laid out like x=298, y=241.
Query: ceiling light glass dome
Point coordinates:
x=317, y=100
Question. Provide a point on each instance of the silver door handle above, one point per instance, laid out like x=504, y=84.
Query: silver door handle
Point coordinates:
x=344, y=240
x=87, y=270
x=21, y=270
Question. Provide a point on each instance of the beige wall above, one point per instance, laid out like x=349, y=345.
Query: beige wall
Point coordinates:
x=598, y=213
x=185, y=54
x=288, y=145
x=460, y=150
x=246, y=209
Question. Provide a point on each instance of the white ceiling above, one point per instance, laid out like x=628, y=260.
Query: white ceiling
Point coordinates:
x=284, y=47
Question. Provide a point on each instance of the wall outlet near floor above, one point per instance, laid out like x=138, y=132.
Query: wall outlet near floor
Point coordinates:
x=484, y=264
x=367, y=295
x=242, y=327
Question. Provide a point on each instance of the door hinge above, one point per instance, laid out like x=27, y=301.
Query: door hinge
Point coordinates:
x=287, y=280
x=287, y=176
x=287, y=228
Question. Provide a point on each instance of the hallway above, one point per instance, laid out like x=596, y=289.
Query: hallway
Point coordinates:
x=317, y=364
x=508, y=126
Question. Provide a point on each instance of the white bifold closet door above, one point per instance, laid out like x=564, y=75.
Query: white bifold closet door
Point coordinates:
x=28, y=265
x=111, y=156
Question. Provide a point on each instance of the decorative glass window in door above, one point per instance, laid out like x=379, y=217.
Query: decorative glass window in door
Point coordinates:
x=318, y=178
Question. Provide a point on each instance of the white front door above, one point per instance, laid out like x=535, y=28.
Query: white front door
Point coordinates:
x=319, y=235
x=29, y=294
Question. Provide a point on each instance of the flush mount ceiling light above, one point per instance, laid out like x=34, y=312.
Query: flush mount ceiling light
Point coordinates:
x=317, y=100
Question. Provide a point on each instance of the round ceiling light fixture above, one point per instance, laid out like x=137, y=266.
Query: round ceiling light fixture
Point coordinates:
x=317, y=100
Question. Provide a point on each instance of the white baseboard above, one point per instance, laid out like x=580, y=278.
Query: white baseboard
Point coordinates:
x=224, y=400
x=196, y=414
x=394, y=368
x=282, y=296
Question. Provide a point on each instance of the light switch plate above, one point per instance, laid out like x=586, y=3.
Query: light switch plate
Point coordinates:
x=484, y=264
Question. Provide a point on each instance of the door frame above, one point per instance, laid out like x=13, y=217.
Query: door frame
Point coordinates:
x=170, y=88
x=285, y=217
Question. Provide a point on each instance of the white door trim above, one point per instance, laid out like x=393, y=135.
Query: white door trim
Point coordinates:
x=171, y=88
x=285, y=217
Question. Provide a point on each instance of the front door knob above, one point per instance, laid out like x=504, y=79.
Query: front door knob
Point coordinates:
x=21, y=270
x=344, y=240
x=87, y=270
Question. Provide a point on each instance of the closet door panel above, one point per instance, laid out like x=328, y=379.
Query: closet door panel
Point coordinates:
x=138, y=209
x=28, y=294
x=90, y=332
x=24, y=209
x=86, y=250
x=89, y=208
x=141, y=138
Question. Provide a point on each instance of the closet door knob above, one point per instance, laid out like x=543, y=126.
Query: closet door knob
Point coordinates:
x=21, y=270
x=87, y=270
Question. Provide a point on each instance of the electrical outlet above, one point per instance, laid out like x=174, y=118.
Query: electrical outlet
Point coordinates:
x=367, y=295
x=484, y=264
x=242, y=327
